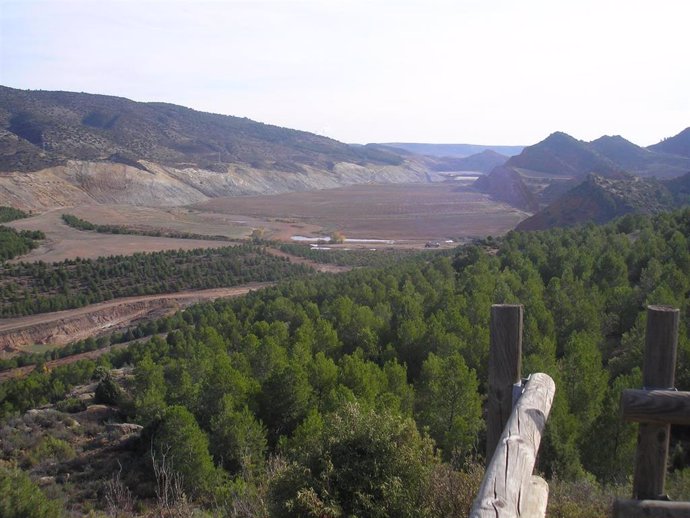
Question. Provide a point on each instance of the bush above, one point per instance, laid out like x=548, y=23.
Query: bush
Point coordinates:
x=51, y=448
x=71, y=405
x=362, y=463
x=21, y=498
x=108, y=393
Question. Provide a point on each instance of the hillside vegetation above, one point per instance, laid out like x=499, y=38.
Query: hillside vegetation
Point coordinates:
x=599, y=199
x=327, y=396
x=43, y=128
x=67, y=149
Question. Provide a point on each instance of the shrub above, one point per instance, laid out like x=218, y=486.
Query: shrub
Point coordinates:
x=71, y=405
x=107, y=392
x=21, y=498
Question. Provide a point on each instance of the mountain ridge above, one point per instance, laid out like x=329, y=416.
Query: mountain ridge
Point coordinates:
x=66, y=148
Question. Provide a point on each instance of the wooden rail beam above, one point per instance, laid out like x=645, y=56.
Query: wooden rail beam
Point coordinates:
x=656, y=406
x=507, y=490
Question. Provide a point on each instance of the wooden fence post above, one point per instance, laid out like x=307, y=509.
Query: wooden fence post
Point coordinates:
x=658, y=373
x=508, y=489
x=505, y=356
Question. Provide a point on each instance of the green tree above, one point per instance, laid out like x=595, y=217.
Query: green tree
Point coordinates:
x=238, y=439
x=150, y=390
x=448, y=403
x=364, y=463
x=178, y=439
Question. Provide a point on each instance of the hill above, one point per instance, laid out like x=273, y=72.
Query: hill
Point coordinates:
x=559, y=163
x=453, y=150
x=114, y=149
x=505, y=184
x=638, y=160
x=599, y=199
x=562, y=155
x=677, y=145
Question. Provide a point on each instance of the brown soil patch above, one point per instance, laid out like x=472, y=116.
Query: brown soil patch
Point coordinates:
x=411, y=213
x=64, y=242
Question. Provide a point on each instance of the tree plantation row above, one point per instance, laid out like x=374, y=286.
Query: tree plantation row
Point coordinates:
x=360, y=394
x=29, y=288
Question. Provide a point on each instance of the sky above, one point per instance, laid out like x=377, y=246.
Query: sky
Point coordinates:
x=441, y=71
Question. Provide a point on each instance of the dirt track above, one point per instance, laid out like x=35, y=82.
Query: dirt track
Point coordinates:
x=62, y=327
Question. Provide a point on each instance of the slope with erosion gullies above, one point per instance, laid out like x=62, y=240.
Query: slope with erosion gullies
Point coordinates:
x=109, y=148
x=599, y=199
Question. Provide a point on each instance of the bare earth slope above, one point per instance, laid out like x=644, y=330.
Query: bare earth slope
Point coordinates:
x=63, y=148
x=62, y=327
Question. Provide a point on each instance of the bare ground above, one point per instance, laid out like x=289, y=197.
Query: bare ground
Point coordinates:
x=62, y=327
x=410, y=213
x=64, y=242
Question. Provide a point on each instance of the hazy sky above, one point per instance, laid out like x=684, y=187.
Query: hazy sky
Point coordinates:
x=476, y=71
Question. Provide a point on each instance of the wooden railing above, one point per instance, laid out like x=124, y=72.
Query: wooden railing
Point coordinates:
x=516, y=416
x=655, y=407
x=517, y=413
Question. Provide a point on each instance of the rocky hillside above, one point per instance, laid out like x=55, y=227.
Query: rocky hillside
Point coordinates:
x=599, y=199
x=74, y=146
x=552, y=172
x=505, y=184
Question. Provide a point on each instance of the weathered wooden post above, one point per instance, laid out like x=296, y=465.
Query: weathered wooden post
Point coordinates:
x=505, y=361
x=509, y=490
x=658, y=372
x=655, y=407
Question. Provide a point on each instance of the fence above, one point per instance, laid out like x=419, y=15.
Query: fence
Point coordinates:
x=516, y=416
x=517, y=413
x=655, y=407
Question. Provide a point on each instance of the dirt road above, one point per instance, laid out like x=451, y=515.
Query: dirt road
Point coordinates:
x=62, y=327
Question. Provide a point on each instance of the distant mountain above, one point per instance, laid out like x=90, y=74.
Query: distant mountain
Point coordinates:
x=453, y=150
x=553, y=167
x=678, y=145
x=638, y=160
x=44, y=128
x=562, y=155
x=100, y=148
x=482, y=162
x=505, y=184
x=599, y=199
